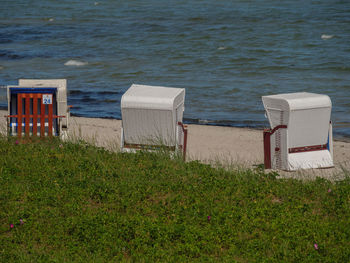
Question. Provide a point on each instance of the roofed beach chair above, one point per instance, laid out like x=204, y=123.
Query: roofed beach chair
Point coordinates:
x=152, y=118
x=38, y=107
x=301, y=131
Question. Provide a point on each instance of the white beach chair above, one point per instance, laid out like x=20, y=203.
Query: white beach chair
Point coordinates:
x=152, y=118
x=38, y=107
x=301, y=132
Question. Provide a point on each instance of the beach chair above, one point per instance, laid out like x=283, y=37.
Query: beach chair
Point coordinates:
x=300, y=136
x=152, y=118
x=38, y=107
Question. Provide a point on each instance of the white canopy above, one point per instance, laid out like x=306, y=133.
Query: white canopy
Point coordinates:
x=152, y=97
x=307, y=116
x=297, y=101
x=150, y=115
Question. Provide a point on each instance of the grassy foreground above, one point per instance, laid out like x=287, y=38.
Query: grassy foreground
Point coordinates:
x=65, y=202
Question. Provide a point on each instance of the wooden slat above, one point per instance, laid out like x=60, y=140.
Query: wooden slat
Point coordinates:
x=42, y=118
x=27, y=113
x=19, y=115
x=35, y=114
x=308, y=148
x=267, y=148
x=50, y=119
x=33, y=118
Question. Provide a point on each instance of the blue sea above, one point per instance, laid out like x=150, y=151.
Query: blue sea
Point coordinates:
x=226, y=53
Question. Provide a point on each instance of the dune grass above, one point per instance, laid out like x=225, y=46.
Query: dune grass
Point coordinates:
x=72, y=202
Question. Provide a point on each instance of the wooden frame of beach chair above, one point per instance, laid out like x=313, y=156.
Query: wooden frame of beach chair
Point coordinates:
x=183, y=147
x=34, y=108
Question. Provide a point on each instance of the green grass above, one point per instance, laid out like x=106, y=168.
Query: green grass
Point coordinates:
x=80, y=203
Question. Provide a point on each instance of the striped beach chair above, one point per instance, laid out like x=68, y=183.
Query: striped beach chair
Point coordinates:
x=38, y=108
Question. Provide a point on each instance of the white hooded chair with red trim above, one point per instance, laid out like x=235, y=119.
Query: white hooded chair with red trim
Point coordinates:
x=152, y=118
x=301, y=131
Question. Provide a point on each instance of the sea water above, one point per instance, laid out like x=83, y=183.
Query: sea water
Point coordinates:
x=226, y=54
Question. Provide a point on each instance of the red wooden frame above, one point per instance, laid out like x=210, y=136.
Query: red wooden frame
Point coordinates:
x=308, y=148
x=184, y=130
x=27, y=116
x=267, y=144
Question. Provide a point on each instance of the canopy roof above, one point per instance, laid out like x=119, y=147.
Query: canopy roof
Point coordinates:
x=152, y=97
x=60, y=83
x=297, y=101
x=17, y=89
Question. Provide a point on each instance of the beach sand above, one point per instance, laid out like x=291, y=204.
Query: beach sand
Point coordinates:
x=228, y=146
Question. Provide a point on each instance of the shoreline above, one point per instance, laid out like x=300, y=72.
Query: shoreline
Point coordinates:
x=336, y=136
x=216, y=145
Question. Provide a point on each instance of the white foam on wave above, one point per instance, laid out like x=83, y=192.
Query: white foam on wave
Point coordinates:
x=221, y=48
x=75, y=63
x=325, y=37
x=203, y=121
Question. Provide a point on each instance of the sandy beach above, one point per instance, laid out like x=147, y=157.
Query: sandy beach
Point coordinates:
x=238, y=147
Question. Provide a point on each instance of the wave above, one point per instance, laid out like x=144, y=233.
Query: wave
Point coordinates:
x=75, y=63
x=5, y=38
x=197, y=19
x=93, y=93
x=110, y=101
x=9, y=55
x=88, y=99
x=109, y=92
x=227, y=123
x=325, y=37
x=75, y=92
